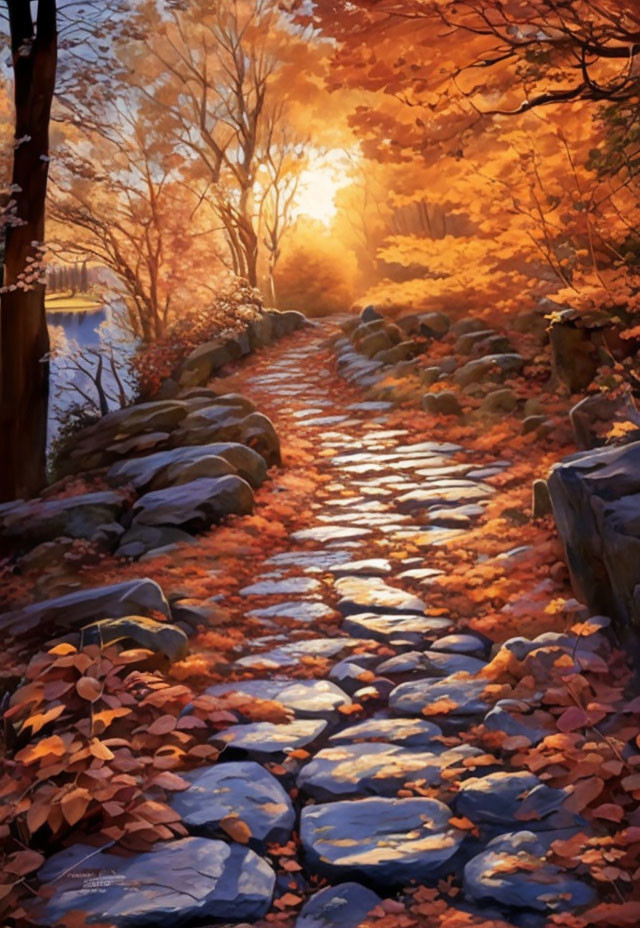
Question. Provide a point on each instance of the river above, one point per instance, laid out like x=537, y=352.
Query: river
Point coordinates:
x=79, y=336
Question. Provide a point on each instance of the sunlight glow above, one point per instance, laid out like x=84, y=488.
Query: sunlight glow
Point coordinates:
x=319, y=184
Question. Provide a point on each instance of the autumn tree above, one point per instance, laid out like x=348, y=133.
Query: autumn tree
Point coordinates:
x=24, y=338
x=120, y=196
x=219, y=79
x=37, y=33
x=481, y=116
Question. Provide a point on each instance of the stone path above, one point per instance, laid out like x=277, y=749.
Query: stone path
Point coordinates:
x=359, y=785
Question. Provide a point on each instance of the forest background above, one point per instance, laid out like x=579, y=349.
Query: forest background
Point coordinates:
x=471, y=157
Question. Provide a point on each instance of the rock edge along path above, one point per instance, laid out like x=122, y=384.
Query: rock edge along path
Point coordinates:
x=343, y=596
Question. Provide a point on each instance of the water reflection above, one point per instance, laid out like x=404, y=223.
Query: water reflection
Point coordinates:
x=77, y=338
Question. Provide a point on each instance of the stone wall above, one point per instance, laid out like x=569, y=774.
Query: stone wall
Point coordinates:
x=596, y=504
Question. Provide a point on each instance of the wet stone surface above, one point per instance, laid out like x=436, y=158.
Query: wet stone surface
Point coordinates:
x=375, y=769
x=388, y=841
x=178, y=882
x=244, y=789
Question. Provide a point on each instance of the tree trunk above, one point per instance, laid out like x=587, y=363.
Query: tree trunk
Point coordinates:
x=24, y=339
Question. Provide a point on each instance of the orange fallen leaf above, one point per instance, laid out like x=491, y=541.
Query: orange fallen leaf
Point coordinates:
x=236, y=829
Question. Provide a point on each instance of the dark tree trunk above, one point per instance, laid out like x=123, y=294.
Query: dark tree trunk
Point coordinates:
x=24, y=340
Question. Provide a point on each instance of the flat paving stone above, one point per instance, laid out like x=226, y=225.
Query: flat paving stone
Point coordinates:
x=262, y=738
x=530, y=882
x=343, y=906
x=321, y=560
x=290, y=654
x=434, y=498
x=368, y=519
x=417, y=628
x=388, y=433
x=456, y=517
x=437, y=447
x=374, y=769
x=421, y=574
x=371, y=406
x=410, y=733
x=306, y=698
x=324, y=420
x=176, y=883
x=388, y=842
x=371, y=594
x=244, y=789
x=349, y=675
x=303, y=413
x=430, y=664
x=281, y=587
x=506, y=797
x=301, y=610
x=413, y=465
x=458, y=696
x=459, y=643
x=446, y=470
x=373, y=567
x=323, y=533
x=516, y=724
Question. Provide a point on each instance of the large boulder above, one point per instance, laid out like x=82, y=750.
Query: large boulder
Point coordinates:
x=133, y=597
x=594, y=415
x=370, y=314
x=465, y=343
x=134, y=429
x=596, y=504
x=207, y=424
x=374, y=343
x=165, y=468
x=363, y=329
x=204, y=407
x=255, y=430
x=177, y=883
x=160, y=637
x=38, y=520
x=203, y=362
x=491, y=367
x=466, y=325
x=433, y=325
x=258, y=432
x=492, y=344
x=210, y=465
x=444, y=403
x=286, y=322
x=195, y=505
x=400, y=352
x=261, y=331
x=499, y=401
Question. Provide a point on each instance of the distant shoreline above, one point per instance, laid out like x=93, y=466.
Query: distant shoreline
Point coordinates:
x=71, y=304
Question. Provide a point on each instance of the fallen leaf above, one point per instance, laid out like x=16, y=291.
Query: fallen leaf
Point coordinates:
x=236, y=829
